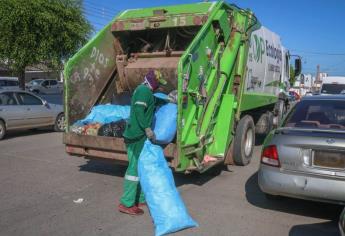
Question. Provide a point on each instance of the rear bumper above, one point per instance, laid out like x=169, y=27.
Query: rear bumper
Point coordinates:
x=109, y=148
x=290, y=184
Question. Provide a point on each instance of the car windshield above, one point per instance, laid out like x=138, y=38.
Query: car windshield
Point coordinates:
x=323, y=114
x=36, y=81
x=333, y=88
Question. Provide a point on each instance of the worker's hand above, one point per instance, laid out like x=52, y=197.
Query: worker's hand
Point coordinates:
x=150, y=134
x=172, y=97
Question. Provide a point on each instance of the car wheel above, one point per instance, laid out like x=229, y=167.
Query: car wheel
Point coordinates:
x=60, y=123
x=2, y=129
x=36, y=91
x=244, y=141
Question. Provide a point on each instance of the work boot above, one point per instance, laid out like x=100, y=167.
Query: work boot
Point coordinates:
x=134, y=210
x=142, y=204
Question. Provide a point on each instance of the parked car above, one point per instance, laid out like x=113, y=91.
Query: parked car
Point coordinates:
x=8, y=83
x=293, y=96
x=342, y=223
x=45, y=86
x=24, y=110
x=305, y=157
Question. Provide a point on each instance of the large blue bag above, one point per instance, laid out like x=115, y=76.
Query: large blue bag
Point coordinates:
x=166, y=206
x=165, y=123
x=105, y=114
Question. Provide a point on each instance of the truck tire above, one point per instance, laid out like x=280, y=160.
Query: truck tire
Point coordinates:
x=60, y=123
x=280, y=111
x=2, y=129
x=263, y=127
x=244, y=141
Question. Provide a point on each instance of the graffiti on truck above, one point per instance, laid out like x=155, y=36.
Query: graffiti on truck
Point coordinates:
x=91, y=71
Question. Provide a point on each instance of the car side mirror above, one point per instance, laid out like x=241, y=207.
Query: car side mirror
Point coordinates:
x=298, y=66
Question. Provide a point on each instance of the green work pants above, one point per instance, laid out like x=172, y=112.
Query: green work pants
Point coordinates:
x=132, y=193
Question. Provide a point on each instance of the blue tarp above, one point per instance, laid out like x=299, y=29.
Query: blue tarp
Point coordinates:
x=105, y=114
x=157, y=182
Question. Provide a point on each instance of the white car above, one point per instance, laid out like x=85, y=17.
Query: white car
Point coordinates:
x=8, y=83
x=24, y=110
x=45, y=86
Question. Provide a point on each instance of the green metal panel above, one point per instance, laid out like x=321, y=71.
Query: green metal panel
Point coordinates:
x=203, y=7
x=85, y=74
x=205, y=123
x=255, y=100
x=223, y=130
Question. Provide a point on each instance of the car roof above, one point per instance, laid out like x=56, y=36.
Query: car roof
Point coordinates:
x=14, y=91
x=324, y=97
x=9, y=78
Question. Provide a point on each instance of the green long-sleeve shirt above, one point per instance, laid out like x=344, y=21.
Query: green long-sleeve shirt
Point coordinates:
x=142, y=110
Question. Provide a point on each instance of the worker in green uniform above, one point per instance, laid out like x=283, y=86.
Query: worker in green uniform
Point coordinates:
x=137, y=131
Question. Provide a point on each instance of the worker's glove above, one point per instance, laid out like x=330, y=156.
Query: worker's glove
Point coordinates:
x=150, y=134
x=172, y=97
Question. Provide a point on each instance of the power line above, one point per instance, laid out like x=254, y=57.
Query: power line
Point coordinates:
x=104, y=9
x=100, y=12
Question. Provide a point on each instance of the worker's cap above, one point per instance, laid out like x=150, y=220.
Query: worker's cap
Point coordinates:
x=153, y=78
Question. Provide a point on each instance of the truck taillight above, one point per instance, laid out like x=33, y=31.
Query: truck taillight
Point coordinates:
x=270, y=156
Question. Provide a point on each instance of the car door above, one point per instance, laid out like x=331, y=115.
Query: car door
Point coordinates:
x=12, y=84
x=45, y=87
x=10, y=111
x=37, y=114
x=53, y=86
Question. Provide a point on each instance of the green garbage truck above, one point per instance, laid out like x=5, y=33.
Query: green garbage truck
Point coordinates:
x=231, y=75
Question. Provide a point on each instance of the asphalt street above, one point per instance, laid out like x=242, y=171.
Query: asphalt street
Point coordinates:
x=40, y=185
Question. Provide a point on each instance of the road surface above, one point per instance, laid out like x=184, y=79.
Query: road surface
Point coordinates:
x=39, y=184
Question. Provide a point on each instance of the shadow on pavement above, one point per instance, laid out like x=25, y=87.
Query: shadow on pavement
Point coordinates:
x=110, y=168
x=23, y=133
x=290, y=205
x=329, y=228
x=103, y=167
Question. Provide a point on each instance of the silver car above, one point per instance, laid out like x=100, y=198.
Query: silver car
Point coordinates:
x=342, y=223
x=24, y=110
x=9, y=83
x=45, y=86
x=305, y=157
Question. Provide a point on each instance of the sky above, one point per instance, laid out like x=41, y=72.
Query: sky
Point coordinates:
x=312, y=29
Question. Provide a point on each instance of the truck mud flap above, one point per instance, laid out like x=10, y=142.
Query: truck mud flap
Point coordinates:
x=108, y=148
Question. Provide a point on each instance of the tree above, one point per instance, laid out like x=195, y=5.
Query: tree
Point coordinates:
x=292, y=75
x=40, y=31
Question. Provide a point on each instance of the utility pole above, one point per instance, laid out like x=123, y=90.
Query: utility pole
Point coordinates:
x=318, y=79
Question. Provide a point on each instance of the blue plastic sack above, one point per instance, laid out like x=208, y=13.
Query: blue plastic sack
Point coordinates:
x=166, y=206
x=162, y=96
x=165, y=123
x=106, y=114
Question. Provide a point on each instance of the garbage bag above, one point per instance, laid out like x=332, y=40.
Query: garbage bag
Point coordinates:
x=161, y=96
x=165, y=204
x=113, y=129
x=165, y=123
x=104, y=114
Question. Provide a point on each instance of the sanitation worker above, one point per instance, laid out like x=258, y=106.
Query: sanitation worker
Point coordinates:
x=137, y=131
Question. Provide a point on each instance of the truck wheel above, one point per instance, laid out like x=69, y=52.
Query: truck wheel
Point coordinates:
x=244, y=141
x=60, y=123
x=263, y=127
x=2, y=129
x=280, y=111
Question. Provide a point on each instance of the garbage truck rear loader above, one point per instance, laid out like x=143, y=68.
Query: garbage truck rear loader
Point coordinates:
x=228, y=70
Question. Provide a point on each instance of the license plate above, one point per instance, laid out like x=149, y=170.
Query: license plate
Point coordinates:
x=327, y=159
